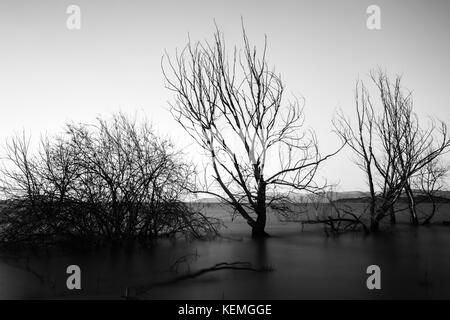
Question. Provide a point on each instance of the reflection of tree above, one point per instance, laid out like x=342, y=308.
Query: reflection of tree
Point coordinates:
x=23, y=263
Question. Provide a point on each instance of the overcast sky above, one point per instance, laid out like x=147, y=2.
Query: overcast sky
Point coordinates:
x=50, y=75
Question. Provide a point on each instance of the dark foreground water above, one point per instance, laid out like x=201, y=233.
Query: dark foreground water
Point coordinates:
x=415, y=263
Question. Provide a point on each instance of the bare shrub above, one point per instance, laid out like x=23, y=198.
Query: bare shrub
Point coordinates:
x=112, y=180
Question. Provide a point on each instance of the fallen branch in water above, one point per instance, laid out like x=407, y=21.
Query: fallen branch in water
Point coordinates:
x=245, y=266
x=343, y=219
x=338, y=225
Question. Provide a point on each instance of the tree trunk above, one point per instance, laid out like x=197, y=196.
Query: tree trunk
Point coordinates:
x=412, y=205
x=392, y=216
x=259, y=226
x=261, y=211
x=433, y=210
x=374, y=224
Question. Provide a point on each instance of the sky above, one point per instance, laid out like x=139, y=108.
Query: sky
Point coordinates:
x=50, y=75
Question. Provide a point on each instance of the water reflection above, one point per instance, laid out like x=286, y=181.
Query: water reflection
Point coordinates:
x=414, y=264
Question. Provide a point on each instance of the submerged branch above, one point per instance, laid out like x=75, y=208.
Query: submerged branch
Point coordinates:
x=245, y=266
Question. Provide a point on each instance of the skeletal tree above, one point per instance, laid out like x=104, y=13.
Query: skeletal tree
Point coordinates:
x=135, y=179
x=20, y=187
x=390, y=145
x=430, y=180
x=416, y=146
x=232, y=104
x=26, y=179
x=369, y=139
x=111, y=180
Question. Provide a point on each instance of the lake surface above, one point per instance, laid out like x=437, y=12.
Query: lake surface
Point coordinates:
x=414, y=262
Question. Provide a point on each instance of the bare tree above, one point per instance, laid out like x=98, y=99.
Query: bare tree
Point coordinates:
x=232, y=105
x=111, y=180
x=26, y=179
x=430, y=180
x=21, y=189
x=390, y=145
x=416, y=146
x=370, y=140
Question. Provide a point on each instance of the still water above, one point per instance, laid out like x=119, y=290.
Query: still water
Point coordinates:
x=414, y=262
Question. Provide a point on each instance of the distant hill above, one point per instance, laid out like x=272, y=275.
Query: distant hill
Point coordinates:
x=207, y=200
x=441, y=196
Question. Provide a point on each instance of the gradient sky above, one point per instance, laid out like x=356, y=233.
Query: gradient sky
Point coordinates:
x=50, y=75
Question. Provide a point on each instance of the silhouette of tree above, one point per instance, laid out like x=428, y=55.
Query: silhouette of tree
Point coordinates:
x=390, y=144
x=232, y=104
x=430, y=180
x=113, y=180
x=417, y=146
